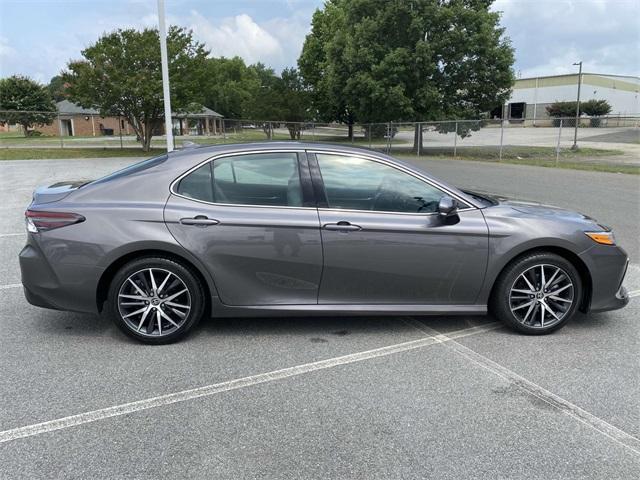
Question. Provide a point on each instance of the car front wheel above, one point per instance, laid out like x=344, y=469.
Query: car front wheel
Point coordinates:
x=155, y=300
x=538, y=293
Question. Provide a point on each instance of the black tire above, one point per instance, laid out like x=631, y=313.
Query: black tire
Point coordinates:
x=186, y=280
x=502, y=302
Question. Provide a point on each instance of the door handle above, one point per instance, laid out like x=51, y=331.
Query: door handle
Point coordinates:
x=342, y=227
x=199, y=221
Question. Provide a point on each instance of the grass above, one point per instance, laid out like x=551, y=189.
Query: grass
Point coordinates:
x=582, y=159
x=11, y=135
x=46, y=153
x=490, y=153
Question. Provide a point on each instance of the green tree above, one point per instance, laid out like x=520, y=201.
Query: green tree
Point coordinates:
x=57, y=87
x=281, y=97
x=230, y=87
x=294, y=101
x=120, y=74
x=399, y=60
x=25, y=102
x=264, y=103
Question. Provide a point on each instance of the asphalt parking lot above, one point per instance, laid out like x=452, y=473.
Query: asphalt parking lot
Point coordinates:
x=384, y=397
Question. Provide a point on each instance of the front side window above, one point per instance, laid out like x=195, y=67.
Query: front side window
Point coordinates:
x=265, y=179
x=359, y=184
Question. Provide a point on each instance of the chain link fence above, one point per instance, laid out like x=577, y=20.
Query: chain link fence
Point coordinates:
x=487, y=139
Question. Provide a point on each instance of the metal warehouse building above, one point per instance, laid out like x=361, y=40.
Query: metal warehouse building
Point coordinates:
x=530, y=96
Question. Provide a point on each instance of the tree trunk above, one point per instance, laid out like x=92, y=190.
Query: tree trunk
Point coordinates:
x=294, y=130
x=147, y=142
x=145, y=136
x=350, y=129
x=137, y=128
x=142, y=138
x=25, y=129
x=148, y=133
x=417, y=138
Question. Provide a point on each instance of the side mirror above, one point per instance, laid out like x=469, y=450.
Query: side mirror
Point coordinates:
x=447, y=207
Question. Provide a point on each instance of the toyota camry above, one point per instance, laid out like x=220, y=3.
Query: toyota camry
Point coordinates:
x=303, y=229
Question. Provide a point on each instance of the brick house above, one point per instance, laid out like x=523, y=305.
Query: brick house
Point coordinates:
x=77, y=121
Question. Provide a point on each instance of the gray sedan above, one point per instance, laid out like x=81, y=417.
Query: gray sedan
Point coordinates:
x=306, y=229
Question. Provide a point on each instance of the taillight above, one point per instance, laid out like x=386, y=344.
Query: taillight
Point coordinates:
x=38, y=221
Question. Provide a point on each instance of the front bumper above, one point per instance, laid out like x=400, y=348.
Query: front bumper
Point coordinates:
x=619, y=300
x=607, y=267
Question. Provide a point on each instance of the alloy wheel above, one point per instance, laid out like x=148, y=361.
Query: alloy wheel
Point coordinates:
x=154, y=302
x=541, y=296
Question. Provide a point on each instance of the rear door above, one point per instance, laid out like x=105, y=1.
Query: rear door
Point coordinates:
x=251, y=219
x=384, y=242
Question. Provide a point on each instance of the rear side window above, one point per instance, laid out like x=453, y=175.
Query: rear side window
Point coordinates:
x=198, y=184
x=265, y=179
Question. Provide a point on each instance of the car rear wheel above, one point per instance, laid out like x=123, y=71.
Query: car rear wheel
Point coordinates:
x=538, y=293
x=155, y=300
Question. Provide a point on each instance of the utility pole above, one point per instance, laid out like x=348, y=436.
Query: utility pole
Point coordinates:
x=575, y=133
x=168, y=124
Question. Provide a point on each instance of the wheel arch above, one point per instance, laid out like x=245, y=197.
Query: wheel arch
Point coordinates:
x=118, y=262
x=576, y=261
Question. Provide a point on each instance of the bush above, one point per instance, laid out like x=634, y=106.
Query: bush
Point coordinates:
x=595, y=108
x=558, y=110
x=562, y=109
x=592, y=108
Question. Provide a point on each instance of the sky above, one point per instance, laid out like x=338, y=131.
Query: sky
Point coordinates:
x=39, y=37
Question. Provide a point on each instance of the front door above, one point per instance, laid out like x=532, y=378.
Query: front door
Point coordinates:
x=384, y=242
x=250, y=219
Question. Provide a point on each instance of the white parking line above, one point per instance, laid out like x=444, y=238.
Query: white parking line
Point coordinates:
x=21, y=234
x=570, y=409
x=209, y=390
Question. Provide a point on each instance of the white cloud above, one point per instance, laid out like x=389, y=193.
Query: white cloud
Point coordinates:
x=290, y=32
x=6, y=50
x=550, y=35
x=239, y=35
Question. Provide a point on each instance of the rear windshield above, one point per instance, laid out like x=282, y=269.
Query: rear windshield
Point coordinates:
x=132, y=169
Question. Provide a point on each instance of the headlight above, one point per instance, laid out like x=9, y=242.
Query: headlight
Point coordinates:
x=603, y=238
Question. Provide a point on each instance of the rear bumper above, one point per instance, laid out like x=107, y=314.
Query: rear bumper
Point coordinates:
x=37, y=300
x=66, y=287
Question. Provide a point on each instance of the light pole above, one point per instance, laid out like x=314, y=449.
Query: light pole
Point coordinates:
x=168, y=124
x=575, y=133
